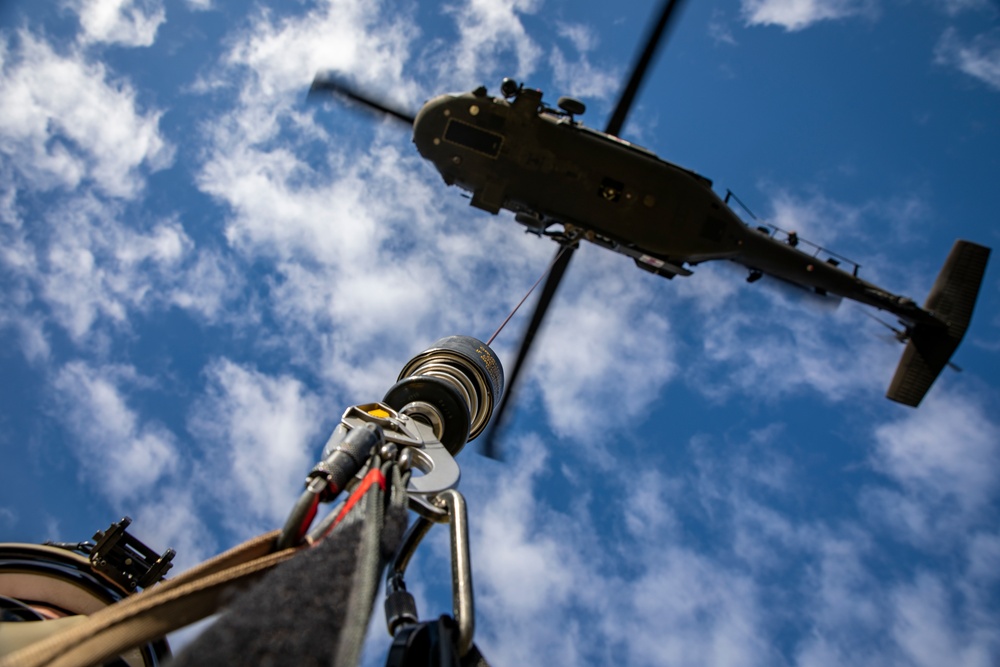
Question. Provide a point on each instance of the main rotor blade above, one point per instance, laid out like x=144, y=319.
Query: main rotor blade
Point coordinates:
x=325, y=84
x=563, y=256
x=653, y=40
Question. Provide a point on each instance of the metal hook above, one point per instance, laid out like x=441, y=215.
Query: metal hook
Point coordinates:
x=419, y=451
x=463, y=603
x=439, y=471
x=452, y=505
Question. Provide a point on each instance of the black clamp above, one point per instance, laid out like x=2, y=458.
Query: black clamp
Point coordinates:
x=126, y=560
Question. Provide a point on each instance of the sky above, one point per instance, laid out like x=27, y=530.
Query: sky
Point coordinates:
x=200, y=270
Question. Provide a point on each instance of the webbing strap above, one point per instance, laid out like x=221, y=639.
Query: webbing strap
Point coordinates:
x=313, y=610
x=152, y=614
x=255, y=547
x=337, y=603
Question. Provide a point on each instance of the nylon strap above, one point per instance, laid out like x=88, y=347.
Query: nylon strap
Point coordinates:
x=149, y=615
x=333, y=585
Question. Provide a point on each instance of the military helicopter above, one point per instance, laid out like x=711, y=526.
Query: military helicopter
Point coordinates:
x=573, y=183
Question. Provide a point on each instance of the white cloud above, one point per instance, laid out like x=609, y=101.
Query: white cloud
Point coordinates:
x=978, y=58
x=134, y=463
x=648, y=505
x=579, y=78
x=719, y=29
x=97, y=267
x=285, y=210
x=522, y=552
x=984, y=559
x=926, y=630
x=946, y=451
x=366, y=39
x=30, y=332
x=123, y=22
x=487, y=30
x=173, y=519
x=795, y=15
x=844, y=607
x=17, y=261
x=583, y=38
x=604, y=353
x=687, y=609
x=258, y=434
x=206, y=286
x=334, y=243
x=826, y=221
x=119, y=453
x=76, y=151
x=63, y=122
x=88, y=267
x=768, y=342
x=953, y=7
x=643, y=595
x=814, y=217
x=853, y=608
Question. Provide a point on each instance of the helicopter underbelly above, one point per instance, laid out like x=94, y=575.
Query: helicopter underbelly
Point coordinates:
x=661, y=213
x=561, y=172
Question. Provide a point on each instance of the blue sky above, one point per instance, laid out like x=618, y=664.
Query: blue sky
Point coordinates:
x=200, y=271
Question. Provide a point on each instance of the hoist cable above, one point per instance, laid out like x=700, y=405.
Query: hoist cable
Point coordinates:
x=525, y=297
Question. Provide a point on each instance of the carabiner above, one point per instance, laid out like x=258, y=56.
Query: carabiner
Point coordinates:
x=452, y=505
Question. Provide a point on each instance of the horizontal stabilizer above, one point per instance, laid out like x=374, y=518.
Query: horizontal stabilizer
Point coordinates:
x=931, y=345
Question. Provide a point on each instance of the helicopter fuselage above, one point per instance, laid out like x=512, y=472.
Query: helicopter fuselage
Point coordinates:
x=548, y=168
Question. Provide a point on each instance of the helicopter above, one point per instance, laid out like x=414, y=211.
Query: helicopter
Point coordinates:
x=573, y=183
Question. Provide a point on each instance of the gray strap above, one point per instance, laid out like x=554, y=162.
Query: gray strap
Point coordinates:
x=314, y=609
x=376, y=547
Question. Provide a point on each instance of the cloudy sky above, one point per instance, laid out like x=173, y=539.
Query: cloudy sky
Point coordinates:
x=199, y=271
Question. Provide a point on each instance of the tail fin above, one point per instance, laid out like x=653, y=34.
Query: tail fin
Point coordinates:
x=931, y=345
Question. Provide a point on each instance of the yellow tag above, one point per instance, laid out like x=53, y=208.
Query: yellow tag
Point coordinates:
x=379, y=412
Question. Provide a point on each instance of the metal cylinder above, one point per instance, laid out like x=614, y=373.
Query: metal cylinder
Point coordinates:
x=472, y=372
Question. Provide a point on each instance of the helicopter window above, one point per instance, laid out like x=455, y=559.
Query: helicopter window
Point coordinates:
x=611, y=190
x=470, y=136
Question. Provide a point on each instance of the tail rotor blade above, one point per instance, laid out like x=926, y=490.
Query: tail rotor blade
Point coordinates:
x=325, y=84
x=563, y=255
x=901, y=335
x=653, y=40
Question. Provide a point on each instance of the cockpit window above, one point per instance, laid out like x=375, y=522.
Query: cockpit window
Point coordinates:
x=470, y=136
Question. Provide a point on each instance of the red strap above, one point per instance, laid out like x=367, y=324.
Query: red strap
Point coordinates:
x=374, y=476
